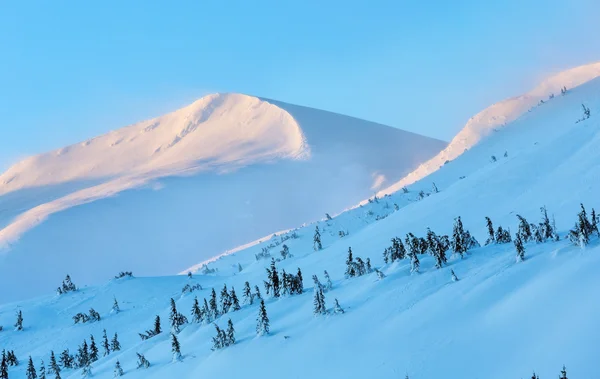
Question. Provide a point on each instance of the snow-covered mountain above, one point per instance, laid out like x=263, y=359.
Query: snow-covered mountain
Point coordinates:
x=501, y=319
x=498, y=115
x=162, y=194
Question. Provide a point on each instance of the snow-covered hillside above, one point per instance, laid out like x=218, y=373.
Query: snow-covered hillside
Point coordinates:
x=501, y=319
x=498, y=115
x=160, y=195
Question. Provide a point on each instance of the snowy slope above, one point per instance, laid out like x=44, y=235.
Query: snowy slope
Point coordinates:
x=502, y=319
x=159, y=195
x=498, y=115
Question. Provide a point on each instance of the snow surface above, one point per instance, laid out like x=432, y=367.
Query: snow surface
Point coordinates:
x=163, y=194
x=496, y=116
x=501, y=319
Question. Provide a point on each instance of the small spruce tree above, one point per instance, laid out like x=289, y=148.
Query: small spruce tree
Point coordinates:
x=337, y=309
x=520, y=249
x=31, y=372
x=115, y=345
x=235, y=303
x=175, y=348
x=262, y=321
x=115, y=307
x=105, y=344
x=230, y=333
x=317, y=240
x=118, y=371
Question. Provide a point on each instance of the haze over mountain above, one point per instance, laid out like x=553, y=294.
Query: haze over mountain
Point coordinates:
x=483, y=313
x=162, y=194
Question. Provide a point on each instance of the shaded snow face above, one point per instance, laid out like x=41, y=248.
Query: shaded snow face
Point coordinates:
x=160, y=195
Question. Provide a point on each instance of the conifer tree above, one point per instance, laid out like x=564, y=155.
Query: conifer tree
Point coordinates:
x=317, y=240
x=115, y=307
x=274, y=279
x=54, y=367
x=212, y=302
x=31, y=373
x=93, y=350
x=247, y=294
x=225, y=301
x=118, y=369
x=490, y=227
x=175, y=348
x=3, y=366
x=83, y=355
x=368, y=264
x=257, y=293
x=594, y=222
x=235, y=303
x=66, y=359
x=285, y=252
x=285, y=283
x=157, y=329
x=328, y=283
x=142, y=361
x=337, y=309
x=105, y=344
x=115, y=345
x=196, y=311
x=230, y=333
x=19, y=323
x=350, y=269
x=524, y=229
x=319, y=301
x=262, y=321
x=563, y=373
x=42, y=371
x=218, y=339
x=520, y=248
x=454, y=277
x=459, y=245
x=206, y=312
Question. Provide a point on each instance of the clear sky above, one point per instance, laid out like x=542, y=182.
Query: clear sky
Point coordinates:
x=70, y=70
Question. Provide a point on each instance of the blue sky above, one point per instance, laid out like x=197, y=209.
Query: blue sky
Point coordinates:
x=70, y=70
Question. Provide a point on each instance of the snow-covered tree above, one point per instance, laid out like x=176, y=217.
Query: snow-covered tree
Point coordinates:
x=83, y=355
x=368, y=266
x=19, y=323
x=54, y=367
x=225, y=301
x=257, y=293
x=105, y=344
x=490, y=227
x=454, y=277
x=328, y=283
x=94, y=316
x=524, y=229
x=219, y=340
x=118, y=371
x=235, y=303
x=197, y=315
x=380, y=275
x=175, y=348
x=115, y=307
x=262, y=321
x=66, y=360
x=337, y=309
x=247, y=294
x=519, y=247
x=563, y=373
x=317, y=240
x=230, y=333
x=350, y=265
x=42, y=370
x=93, y=350
x=285, y=252
x=115, y=345
x=459, y=245
x=274, y=279
x=142, y=361
x=503, y=235
x=212, y=303
x=319, y=301
x=3, y=366
x=31, y=372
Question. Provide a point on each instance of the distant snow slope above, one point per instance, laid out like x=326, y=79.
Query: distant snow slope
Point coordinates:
x=160, y=195
x=500, y=320
x=498, y=115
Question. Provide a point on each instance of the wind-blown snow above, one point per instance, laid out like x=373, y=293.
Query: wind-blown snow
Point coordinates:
x=497, y=115
x=165, y=193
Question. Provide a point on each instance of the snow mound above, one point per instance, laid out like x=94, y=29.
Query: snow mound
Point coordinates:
x=498, y=115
